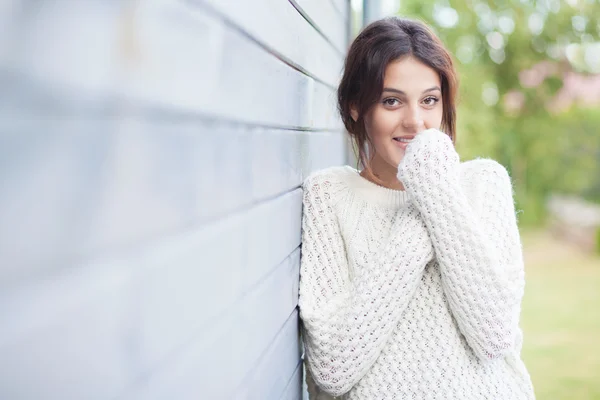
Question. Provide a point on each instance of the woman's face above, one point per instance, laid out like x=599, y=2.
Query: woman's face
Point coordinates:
x=411, y=102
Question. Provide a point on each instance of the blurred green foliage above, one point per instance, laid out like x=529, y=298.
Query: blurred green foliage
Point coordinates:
x=495, y=43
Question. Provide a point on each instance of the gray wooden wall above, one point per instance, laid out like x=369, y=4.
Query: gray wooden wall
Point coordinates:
x=151, y=153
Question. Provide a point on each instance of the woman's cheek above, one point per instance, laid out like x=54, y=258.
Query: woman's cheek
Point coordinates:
x=435, y=119
x=386, y=122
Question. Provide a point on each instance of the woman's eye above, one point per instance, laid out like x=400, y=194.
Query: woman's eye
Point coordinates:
x=430, y=101
x=391, y=102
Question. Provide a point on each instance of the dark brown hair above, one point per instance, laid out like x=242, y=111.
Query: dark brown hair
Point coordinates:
x=380, y=43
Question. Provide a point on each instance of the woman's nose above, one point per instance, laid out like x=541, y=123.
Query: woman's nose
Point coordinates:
x=413, y=121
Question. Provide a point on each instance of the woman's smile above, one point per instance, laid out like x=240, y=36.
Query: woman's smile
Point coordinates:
x=403, y=141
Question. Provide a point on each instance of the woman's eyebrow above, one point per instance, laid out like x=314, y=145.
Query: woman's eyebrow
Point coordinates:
x=431, y=89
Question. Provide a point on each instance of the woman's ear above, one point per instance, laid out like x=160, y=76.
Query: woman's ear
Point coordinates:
x=354, y=113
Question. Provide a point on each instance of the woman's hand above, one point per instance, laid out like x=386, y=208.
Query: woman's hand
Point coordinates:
x=429, y=159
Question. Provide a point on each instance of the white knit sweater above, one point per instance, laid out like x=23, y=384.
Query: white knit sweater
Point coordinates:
x=413, y=294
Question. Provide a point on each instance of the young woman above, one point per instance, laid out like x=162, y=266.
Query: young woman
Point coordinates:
x=412, y=271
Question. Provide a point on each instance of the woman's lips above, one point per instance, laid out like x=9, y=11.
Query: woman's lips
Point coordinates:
x=401, y=144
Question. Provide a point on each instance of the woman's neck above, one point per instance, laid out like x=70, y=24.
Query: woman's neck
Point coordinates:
x=382, y=174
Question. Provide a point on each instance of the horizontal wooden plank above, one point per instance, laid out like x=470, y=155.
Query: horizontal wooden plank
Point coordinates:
x=69, y=338
x=278, y=26
x=327, y=20
x=89, y=35
x=293, y=391
x=51, y=193
x=230, y=347
x=179, y=59
x=76, y=188
x=121, y=318
x=270, y=377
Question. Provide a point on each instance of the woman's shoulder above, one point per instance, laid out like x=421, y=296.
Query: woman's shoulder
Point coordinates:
x=484, y=170
x=330, y=176
x=328, y=183
x=486, y=180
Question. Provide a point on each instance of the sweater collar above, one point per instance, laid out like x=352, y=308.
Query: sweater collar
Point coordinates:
x=374, y=193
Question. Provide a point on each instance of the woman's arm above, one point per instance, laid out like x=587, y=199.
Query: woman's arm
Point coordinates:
x=347, y=322
x=478, y=247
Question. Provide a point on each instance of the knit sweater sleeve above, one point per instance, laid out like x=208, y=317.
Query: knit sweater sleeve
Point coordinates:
x=476, y=243
x=347, y=321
